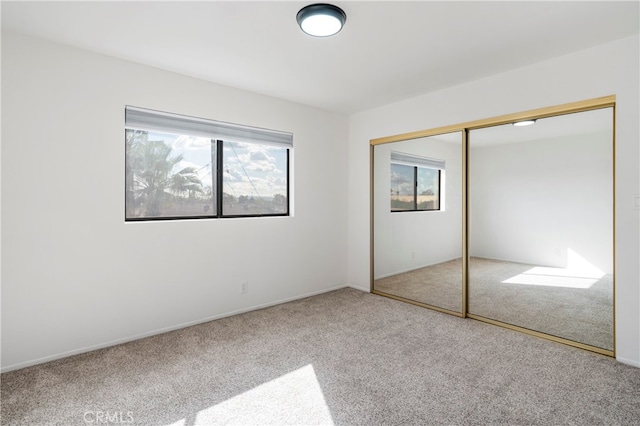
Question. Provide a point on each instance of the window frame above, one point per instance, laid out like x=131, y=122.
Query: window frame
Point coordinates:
x=217, y=169
x=415, y=192
x=417, y=162
x=220, y=186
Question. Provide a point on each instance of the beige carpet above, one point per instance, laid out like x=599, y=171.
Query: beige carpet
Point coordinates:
x=341, y=358
x=583, y=315
x=437, y=285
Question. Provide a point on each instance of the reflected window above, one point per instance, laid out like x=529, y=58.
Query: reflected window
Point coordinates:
x=415, y=183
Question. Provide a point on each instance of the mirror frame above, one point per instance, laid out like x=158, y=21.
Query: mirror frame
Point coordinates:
x=465, y=128
x=463, y=311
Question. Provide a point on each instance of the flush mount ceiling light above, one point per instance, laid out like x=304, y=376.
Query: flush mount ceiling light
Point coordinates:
x=321, y=19
x=524, y=123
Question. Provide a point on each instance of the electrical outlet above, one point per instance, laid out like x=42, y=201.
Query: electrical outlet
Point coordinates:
x=244, y=287
x=413, y=254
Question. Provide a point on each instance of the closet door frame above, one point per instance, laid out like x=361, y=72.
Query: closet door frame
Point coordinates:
x=465, y=128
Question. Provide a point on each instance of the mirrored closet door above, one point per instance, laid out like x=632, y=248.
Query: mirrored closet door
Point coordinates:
x=508, y=220
x=541, y=226
x=417, y=221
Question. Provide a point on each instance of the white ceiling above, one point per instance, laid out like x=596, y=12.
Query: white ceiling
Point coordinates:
x=388, y=51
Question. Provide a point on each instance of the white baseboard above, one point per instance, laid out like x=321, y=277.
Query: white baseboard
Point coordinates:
x=115, y=342
x=523, y=262
x=630, y=362
x=366, y=289
x=414, y=268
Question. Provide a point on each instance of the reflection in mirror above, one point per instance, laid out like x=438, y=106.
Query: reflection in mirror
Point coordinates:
x=417, y=216
x=541, y=226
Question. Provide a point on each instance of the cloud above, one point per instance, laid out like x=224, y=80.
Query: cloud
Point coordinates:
x=252, y=170
x=260, y=156
x=254, y=158
x=203, y=173
x=184, y=142
x=262, y=166
x=398, y=178
x=233, y=173
x=236, y=183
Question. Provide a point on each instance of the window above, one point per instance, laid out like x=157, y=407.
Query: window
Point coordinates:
x=180, y=167
x=415, y=182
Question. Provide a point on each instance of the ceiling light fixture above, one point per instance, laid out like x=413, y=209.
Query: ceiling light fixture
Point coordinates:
x=524, y=123
x=321, y=19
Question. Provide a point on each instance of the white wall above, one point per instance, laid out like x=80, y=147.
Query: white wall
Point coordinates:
x=410, y=240
x=75, y=276
x=600, y=71
x=541, y=201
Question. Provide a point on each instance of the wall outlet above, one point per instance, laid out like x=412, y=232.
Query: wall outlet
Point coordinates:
x=244, y=287
x=413, y=254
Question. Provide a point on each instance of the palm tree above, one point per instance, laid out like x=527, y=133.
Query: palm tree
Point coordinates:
x=186, y=180
x=149, y=177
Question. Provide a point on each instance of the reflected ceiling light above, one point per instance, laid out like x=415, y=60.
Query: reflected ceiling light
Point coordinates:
x=524, y=123
x=321, y=19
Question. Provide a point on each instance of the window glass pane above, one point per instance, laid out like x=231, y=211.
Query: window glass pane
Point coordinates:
x=428, y=189
x=402, y=187
x=254, y=179
x=168, y=175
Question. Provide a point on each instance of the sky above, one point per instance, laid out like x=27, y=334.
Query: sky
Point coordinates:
x=249, y=169
x=402, y=179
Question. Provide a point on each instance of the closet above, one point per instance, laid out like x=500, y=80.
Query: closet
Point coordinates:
x=507, y=220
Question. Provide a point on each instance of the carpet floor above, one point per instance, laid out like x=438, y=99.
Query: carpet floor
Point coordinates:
x=577, y=309
x=344, y=358
x=436, y=285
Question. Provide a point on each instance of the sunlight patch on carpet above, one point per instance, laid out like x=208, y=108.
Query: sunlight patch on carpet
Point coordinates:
x=294, y=398
x=579, y=273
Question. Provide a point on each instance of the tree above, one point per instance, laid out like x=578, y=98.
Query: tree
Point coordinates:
x=187, y=181
x=133, y=139
x=150, y=183
x=279, y=200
